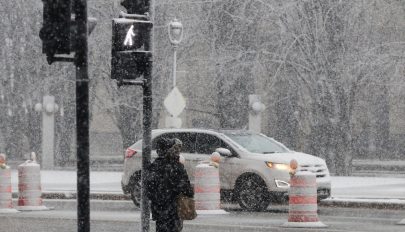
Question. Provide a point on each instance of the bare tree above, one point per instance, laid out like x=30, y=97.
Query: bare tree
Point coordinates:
x=331, y=58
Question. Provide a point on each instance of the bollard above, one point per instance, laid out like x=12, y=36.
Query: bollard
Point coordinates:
x=303, y=204
x=207, y=187
x=6, y=200
x=29, y=186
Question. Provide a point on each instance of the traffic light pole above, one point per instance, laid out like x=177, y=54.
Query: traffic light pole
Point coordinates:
x=82, y=118
x=141, y=14
x=147, y=141
x=61, y=35
x=147, y=125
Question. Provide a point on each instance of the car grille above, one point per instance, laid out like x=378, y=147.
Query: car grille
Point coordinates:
x=319, y=170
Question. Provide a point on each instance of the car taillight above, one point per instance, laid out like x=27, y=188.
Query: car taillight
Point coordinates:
x=129, y=153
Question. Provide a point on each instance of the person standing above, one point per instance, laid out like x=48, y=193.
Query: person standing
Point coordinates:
x=167, y=180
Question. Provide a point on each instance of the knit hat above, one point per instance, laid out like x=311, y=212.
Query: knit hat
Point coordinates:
x=164, y=144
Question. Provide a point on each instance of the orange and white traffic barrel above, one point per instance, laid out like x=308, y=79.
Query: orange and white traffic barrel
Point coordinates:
x=207, y=188
x=303, y=205
x=29, y=186
x=6, y=200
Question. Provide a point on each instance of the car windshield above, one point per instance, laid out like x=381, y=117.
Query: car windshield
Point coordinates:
x=257, y=143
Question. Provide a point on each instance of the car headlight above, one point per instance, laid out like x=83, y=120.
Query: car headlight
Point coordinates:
x=278, y=166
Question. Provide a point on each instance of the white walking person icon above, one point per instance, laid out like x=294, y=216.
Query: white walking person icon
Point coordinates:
x=128, y=38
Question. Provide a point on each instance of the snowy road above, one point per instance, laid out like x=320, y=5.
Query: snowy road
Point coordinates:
x=110, y=182
x=338, y=219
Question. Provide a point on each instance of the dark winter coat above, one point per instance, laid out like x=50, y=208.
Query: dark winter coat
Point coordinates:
x=167, y=179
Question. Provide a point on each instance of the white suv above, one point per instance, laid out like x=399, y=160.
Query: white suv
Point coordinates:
x=254, y=169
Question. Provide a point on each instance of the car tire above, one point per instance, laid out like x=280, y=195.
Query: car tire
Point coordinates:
x=135, y=190
x=253, y=194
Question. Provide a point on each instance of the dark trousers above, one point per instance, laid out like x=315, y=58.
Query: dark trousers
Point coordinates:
x=172, y=224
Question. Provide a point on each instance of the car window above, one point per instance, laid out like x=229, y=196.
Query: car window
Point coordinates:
x=206, y=143
x=225, y=145
x=257, y=143
x=187, y=138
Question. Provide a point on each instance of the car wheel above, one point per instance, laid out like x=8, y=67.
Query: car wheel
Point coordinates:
x=253, y=194
x=136, y=190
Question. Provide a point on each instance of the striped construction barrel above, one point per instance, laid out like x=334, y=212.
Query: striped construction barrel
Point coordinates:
x=6, y=201
x=29, y=187
x=303, y=205
x=206, y=187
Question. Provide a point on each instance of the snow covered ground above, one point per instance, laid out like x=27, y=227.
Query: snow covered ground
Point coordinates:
x=368, y=187
x=65, y=181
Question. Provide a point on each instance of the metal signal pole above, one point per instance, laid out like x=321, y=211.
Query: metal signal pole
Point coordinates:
x=147, y=144
x=62, y=34
x=147, y=124
x=132, y=60
x=82, y=118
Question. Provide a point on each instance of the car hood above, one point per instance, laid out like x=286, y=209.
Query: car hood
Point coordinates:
x=286, y=157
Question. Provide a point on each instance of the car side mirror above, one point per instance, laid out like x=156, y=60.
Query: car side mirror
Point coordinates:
x=224, y=152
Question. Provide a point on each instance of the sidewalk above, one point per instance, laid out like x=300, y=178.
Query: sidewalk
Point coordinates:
x=374, y=192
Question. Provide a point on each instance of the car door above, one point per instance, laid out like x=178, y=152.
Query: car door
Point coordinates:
x=206, y=144
x=229, y=167
x=188, y=151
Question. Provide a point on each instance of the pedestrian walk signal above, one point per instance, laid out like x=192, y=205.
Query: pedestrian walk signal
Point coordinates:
x=129, y=37
x=130, y=51
x=130, y=34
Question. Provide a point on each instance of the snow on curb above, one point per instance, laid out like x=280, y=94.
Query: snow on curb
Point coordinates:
x=378, y=203
x=5, y=211
x=304, y=225
x=211, y=212
x=73, y=195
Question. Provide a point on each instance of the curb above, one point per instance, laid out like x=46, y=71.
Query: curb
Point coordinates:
x=95, y=205
x=363, y=203
x=73, y=195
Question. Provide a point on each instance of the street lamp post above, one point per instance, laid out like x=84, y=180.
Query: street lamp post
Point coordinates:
x=175, y=30
x=174, y=102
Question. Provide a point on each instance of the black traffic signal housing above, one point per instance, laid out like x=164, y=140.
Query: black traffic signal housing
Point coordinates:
x=55, y=31
x=59, y=29
x=130, y=53
x=136, y=6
